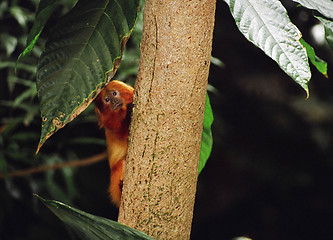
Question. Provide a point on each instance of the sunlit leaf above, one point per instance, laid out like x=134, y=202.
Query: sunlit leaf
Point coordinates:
x=89, y=227
x=266, y=24
x=328, y=24
x=325, y=7
x=207, y=138
x=82, y=54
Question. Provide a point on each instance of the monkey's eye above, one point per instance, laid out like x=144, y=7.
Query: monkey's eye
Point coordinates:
x=114, y=93
x=110, y=95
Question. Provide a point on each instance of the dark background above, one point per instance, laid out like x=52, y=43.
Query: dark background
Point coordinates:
x=270, y=172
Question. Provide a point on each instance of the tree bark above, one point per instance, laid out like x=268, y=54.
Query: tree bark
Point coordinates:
x=167, y=121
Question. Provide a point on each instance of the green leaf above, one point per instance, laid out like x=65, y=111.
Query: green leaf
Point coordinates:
x=23, y=66
x=45, y=10
x=266, y=24
x=217, y=62
x=89, y=227
x=325, y=7
x=8, y=42
x=28, y=93
x=328, y=24
x=207, y=137
x=320, y=64
x=20, y=16
x=81, y=56
x=3, y=7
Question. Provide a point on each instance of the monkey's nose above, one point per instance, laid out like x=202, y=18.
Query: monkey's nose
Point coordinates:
x=116, y=103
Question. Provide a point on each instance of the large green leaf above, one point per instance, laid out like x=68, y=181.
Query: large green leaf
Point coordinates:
x=207, y=138
x=89, y=227
x=81, y=55
x=325, y=7
x=266, y=24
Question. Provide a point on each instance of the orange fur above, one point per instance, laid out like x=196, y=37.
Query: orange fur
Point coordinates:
x=112, y=106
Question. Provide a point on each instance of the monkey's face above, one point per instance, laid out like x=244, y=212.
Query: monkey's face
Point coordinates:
x=109, y=100
x=113, y=99
x=113, y=105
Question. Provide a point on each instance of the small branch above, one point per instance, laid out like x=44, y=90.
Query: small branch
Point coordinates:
x=76, y=163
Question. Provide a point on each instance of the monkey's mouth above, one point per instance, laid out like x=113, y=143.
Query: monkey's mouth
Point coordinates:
x=116, y=103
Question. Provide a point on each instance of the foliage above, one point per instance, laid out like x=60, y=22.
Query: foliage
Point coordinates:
x=90, y=227
x=320, y=64
x=19, y=127
x=267, y=25
x=44, y=11
x=20, y=108
x=80, y=58
x=328, y=23
x=207, y=139
x=33, y=51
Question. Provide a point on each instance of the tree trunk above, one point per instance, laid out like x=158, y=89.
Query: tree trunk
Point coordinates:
x=167, y=121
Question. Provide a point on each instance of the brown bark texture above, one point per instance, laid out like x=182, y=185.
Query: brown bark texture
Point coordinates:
x=162, y=163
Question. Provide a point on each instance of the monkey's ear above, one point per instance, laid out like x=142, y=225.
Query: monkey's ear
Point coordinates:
x=99, y=117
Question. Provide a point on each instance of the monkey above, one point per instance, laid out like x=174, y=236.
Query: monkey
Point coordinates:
x=113, y=106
